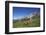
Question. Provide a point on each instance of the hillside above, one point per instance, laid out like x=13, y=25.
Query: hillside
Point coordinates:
x=28, y=21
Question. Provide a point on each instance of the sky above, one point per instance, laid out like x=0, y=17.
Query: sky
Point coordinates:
x=19, y=12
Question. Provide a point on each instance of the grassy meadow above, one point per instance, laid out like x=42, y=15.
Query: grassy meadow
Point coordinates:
x=35, y=22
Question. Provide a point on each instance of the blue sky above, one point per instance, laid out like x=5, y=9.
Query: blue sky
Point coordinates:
x=19, y=12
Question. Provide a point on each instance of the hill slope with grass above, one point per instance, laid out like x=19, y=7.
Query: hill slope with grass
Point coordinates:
x=24, y=22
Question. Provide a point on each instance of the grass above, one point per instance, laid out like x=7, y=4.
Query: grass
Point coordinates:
x=35, y=23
